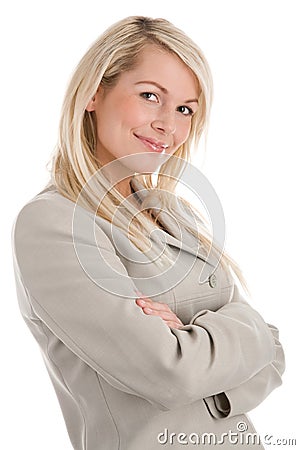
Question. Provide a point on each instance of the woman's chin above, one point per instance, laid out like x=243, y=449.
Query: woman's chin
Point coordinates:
x=144, y=162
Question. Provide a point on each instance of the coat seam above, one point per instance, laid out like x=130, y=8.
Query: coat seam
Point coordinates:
x=71, y=393
x=83, y=351
x=108, y=408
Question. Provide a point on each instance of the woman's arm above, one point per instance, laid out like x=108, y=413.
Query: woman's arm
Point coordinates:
x=248, y=395
x=134, y=352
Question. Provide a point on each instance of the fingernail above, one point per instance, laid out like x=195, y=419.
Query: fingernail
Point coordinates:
x=141, y=302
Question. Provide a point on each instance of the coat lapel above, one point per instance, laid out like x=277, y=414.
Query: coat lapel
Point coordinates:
x=171, y=234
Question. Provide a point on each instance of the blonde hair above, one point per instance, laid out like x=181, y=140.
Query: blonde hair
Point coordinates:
x=74, y=161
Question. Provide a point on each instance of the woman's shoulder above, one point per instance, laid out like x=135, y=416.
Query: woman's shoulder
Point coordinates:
x=50, y=197
x=46, y=205
x=51, y=217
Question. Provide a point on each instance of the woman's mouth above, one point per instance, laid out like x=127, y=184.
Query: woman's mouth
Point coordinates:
x=152, y=144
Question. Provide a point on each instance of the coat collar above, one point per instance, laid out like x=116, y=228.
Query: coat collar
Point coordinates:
x=171, y=234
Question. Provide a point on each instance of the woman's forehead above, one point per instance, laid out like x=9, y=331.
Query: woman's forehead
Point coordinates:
x=164, y=68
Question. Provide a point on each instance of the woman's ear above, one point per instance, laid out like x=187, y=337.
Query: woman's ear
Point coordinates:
x=91, y=106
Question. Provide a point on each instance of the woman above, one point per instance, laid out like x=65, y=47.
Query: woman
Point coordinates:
x=141, y=353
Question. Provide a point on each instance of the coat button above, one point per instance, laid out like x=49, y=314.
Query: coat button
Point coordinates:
x=212, y=281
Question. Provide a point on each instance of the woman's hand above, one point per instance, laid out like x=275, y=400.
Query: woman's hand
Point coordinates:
x=158, y=309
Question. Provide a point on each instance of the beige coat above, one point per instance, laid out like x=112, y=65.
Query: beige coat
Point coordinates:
x=124, y=379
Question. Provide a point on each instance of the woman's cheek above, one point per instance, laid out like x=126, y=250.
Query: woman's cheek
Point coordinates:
x=183, y=133
x=136, y=114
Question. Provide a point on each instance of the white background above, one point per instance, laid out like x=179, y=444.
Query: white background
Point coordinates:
x=252, y=161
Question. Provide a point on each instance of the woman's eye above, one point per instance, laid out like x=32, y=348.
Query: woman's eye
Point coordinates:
x=185, y=110
x=149, y=96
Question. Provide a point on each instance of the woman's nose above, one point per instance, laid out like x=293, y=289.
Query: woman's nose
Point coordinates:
x=164, y=123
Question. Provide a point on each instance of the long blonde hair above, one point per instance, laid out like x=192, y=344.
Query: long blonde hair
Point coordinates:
x=74, y=161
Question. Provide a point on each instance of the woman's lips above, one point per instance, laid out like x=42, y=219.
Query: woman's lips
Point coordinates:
x=152, y=144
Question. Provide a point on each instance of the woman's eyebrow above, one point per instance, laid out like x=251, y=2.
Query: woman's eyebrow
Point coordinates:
x=163, y=89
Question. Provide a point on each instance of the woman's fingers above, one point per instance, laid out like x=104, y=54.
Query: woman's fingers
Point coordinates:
x=161, y=310
x=157, y=306
x=158, y=309
x=163, y=314
x=174, y=325
x=153, y=305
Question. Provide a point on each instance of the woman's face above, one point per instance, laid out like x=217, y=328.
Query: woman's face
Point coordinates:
x=149, y=109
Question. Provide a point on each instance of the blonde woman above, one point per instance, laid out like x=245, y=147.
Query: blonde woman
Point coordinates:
x=141, y=352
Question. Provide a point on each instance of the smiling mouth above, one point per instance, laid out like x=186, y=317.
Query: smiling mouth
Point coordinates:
x=152, y=144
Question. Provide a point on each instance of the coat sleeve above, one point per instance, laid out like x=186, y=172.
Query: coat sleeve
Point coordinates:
x=136, y=353
x=251, y=393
